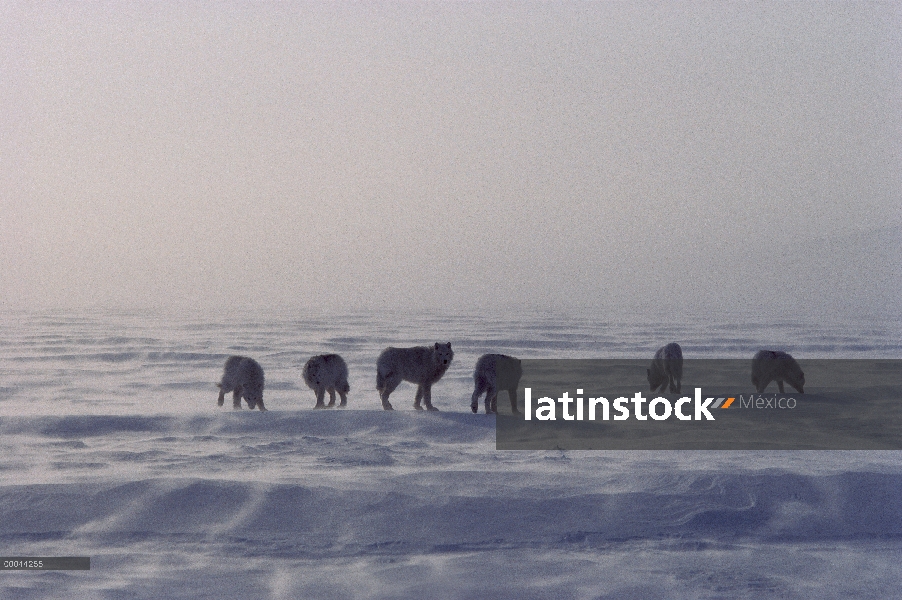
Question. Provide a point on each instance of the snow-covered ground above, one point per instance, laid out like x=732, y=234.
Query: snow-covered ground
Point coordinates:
x=114, y=448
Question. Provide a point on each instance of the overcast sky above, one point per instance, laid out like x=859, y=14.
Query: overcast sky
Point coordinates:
x=444, y=155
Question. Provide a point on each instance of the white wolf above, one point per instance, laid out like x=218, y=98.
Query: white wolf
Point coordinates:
x=327, y=372
x=770, y=365
x=495, y=372
x=420, y=365
x=244, y=377
x=666, y=368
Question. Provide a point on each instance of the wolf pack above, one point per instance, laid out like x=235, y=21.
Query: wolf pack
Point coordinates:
x=424, y=366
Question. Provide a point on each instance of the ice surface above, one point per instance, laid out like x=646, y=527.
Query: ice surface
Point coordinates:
x=114, y=448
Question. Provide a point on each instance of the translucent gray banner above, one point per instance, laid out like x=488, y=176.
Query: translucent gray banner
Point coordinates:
x=45, y=563
x=608, y=405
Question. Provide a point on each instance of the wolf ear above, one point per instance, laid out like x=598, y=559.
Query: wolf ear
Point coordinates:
x=436, y=345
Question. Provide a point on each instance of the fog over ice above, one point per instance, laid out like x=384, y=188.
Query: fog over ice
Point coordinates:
x=457, y=156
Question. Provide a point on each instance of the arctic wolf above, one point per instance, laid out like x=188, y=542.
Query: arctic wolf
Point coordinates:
x=496, y=372
x=327, y=372
x=666, y=368
x=244, y=377
x=770, y=365
x=420, y=365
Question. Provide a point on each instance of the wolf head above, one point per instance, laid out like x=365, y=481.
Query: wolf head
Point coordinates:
x=655, y=378
x=311, y=374
x=443, y=354
x=795, y=377
x=253, y=395
x=516, y=367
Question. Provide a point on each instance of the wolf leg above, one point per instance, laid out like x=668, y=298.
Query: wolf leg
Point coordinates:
x=491, y=399
x=388, y=386
x=513, y=396
x=427, y=398
x=418, y=397
x=477, y=392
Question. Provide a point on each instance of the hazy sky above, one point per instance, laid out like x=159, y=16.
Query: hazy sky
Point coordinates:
x=447, y=155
